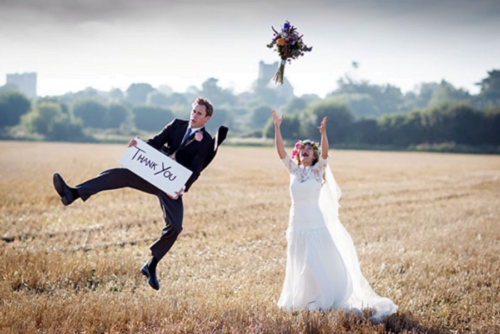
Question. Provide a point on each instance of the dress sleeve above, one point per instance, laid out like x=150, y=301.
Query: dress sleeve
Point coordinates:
x=320, y=167
x=289, y=164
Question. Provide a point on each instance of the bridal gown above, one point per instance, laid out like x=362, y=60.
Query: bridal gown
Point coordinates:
x=322, y=268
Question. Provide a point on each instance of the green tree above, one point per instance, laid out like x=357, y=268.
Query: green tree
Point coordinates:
x=12, y=106
x=491, y=127
x=260, y=116
x=64, y=107
x=41, y=117
x=386, y=98
x=9, y=88
x=116, y=94
x=48, y=119
x=456, y=122
x=156, y=98
x=364, y=131
x=463, y=123
x=339, y=122
x=217, y=95
x=118, y=115
x=63, y=128
x=87, y=93
x=93, y=112
x=401, y=129
x=220, y=117
x=361, y=105
x=490, y=89
x=177, y=99
x=445, y=92
x=137, y=93
x=151, y=118
x=426, y=90
x=275, y=96
x=295, y=104
x=290, y=128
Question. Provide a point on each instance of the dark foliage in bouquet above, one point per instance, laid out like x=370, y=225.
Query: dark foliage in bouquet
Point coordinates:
x=288, y=43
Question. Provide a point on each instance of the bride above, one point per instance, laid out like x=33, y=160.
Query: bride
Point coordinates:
x=322, y=268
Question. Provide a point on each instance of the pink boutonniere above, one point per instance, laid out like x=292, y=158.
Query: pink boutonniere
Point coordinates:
x=198, y=136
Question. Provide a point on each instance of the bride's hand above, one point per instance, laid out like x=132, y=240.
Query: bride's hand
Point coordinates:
x=277, y=120
x=322, y=127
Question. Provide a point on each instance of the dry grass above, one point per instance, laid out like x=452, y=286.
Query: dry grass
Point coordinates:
x=426, y=227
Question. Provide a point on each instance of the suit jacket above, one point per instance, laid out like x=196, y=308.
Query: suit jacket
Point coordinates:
x=192, y=154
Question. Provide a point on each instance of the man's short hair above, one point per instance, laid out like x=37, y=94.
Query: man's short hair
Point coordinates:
x=204, y=102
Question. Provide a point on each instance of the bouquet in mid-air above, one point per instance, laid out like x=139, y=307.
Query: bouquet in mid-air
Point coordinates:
x=288, y=43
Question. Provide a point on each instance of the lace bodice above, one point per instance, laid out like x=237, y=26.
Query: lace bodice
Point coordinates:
x=303, y=173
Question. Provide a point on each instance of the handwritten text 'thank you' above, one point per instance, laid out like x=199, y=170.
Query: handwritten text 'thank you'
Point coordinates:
x=140, y=157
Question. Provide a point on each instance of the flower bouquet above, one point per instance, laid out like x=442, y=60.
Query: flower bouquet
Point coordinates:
x=288, y=43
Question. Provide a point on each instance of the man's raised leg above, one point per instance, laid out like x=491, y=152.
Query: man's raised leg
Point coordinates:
x=115, y=178
x=110, y=179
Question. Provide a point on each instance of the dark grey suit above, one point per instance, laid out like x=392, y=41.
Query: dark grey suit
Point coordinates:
x=192, y=154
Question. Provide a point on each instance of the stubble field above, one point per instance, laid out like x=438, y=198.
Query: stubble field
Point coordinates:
x=426, y=228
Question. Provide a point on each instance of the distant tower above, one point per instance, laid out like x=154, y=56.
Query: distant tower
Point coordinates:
x=25, y=83
x=266, y=72
x=265, y=80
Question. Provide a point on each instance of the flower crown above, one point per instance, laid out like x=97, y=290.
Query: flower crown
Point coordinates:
x=300, y=145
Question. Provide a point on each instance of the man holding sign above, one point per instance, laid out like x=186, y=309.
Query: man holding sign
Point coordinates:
x=186, y=142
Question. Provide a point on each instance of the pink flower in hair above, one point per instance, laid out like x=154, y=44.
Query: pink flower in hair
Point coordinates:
x=298, y=146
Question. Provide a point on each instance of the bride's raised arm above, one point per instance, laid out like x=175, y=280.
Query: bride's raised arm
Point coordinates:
x=324, y=139
x=278, y=140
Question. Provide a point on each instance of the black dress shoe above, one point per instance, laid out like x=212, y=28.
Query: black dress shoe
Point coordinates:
x=63, y=190
x=151, y=275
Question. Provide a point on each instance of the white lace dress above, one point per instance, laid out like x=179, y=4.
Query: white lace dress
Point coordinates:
x=322, y=269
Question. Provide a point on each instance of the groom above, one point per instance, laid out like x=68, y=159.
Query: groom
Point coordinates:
x=190, y=145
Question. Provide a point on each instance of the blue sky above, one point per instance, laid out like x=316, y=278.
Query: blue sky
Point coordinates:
x=113, y=43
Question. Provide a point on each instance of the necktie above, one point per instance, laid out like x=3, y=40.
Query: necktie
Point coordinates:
x=186, y=136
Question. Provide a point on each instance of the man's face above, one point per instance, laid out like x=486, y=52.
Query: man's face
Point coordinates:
x=198, y=116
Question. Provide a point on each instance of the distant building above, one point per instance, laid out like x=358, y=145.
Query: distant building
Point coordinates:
x=265, y=80
x=266, y=72
x=25, y=83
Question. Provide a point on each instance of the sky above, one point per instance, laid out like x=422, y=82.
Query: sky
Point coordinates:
x=105, y=44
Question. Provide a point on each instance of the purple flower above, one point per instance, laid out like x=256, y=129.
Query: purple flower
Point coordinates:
x=286, y=26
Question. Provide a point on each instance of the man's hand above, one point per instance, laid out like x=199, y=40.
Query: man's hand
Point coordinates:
x=177, y=193
x=133, y=142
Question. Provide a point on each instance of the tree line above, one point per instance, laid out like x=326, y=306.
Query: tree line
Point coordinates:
x=359, y=113
x=450, y=124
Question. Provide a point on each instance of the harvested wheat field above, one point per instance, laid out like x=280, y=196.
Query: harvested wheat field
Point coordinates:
x=426, y=228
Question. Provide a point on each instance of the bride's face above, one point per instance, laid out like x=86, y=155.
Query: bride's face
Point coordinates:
x=306, y=155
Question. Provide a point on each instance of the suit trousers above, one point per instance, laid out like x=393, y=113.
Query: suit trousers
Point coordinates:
x=173, y=210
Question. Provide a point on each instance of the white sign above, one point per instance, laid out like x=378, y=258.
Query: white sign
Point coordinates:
x=155, y=167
